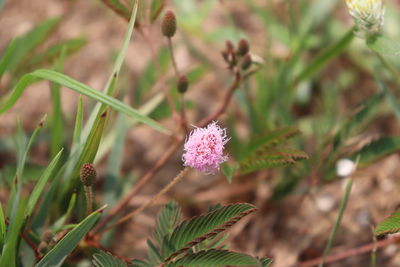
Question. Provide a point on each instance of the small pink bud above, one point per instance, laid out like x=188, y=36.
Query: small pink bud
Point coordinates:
x=204, y=148
x=243, y=47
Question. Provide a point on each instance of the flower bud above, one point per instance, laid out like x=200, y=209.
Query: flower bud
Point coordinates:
x=230, y=48
x=246, y=63
x=183, y=84
x=43, y=247
x=168, y=26
x=243, y=47
x=88, y=174
x=47, y=236
x=368, y=16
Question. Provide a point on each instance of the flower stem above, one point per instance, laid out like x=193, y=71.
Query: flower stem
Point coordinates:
x=338, y=220
x=168, y=187
x=171, y=51
x=89, y=198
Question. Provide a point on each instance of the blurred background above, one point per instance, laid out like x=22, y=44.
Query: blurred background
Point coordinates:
x=297, y=204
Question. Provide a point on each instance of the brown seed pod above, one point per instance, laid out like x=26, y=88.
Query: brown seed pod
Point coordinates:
x=182, y=84
x=88, y=174
x=168, y=26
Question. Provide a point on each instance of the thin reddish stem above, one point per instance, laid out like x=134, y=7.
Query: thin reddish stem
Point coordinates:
x=350, y=252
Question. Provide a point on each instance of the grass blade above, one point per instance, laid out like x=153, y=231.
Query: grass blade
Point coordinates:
x=37, y=191
x=53, y=76
x=342, y=208
x=57, y=255
x=9, y=253
x=5, y=59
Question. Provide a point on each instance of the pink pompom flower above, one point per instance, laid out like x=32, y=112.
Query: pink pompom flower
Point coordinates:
x=204, y=148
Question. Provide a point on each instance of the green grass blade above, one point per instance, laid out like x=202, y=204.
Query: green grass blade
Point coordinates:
x=2, y=227
x=89, y=150
x=22, y=160
x=338, y=221
x=331, y=52
x=56, y=124
x=38, y=222
x=55, y=51
x=5, y=59
x=53, y=76
x=376, y=150
x=59, y=224
x=38, y=190
x=109, y=139
x=57, y=255
x=31, y=40
x=391, y=99
x=78, y=123
x=112, y=80
x=155, y=9
x=9, y=253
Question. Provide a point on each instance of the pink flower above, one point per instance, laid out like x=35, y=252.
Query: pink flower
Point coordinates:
x=204, y=148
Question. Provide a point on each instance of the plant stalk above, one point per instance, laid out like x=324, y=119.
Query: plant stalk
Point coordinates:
x=342, y=208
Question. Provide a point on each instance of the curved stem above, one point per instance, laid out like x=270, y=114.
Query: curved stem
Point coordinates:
x=168, y=187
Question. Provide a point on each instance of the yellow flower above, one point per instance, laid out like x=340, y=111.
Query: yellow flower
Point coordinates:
x=368, y=15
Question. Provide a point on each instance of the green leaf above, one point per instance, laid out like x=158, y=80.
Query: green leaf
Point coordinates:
x=326, y=55
x=5, y=59
x=228, y=171
x=191, y=232
x=10, y=248
x=384, y=46
x=53, y=76
x=390, y=225
x=167, y=220
x=363, y=111
x=55, y=51
x=155, y=9
x=102, y=259
x=377, y=150
x=154, y=254
x=37, y=191
x=31, y=40
x=140, y=263
x=2, y=227
x=270, y=150
x=57, y=125
x=391, y=99
x=89, y=150
x=216, y=257
x=57, y=255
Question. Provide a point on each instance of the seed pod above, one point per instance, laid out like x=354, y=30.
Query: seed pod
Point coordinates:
x=88, y=174
x=243, y=47
x=168, y=26
x=43, y=247
x=246, y=63
x=182, y=84
x=47, y=236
